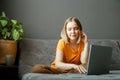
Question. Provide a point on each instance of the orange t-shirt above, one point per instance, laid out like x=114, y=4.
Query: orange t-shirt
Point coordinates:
x=69, y=54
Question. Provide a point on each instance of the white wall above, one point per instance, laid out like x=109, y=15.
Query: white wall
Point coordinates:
x=45, y=18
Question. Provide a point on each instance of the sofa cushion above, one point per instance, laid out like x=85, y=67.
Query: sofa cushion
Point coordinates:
x=114, y=75
x=35, y=51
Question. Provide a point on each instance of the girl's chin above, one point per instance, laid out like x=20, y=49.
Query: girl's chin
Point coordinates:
x=73, y=39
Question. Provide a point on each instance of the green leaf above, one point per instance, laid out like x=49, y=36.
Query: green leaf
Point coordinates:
x=21, y=31
x=15, y=34
x=4, y=31
x=14, y=21
x=3, y=22
x=3, y=14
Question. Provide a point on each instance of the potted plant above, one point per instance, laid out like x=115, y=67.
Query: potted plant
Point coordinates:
x=11, y=31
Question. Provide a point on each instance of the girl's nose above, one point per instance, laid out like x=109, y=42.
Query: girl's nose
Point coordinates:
x=72, y=30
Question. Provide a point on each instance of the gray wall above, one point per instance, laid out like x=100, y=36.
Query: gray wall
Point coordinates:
x=45, y=18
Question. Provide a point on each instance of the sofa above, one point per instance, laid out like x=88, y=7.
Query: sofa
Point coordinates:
x=42, y=51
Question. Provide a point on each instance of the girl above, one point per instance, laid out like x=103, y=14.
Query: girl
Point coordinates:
x=72, y=50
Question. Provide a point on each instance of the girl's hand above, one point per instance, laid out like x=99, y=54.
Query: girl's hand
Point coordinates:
x=84, y=37
x=80, y=68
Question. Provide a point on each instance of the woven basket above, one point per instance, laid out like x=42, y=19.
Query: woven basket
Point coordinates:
x=7, y=47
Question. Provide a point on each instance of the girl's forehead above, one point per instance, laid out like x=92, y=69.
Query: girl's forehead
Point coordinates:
x=72, y=24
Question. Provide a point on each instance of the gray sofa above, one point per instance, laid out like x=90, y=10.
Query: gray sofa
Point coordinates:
x=42, y=51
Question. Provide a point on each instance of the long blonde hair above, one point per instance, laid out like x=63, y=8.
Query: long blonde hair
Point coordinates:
x=63, y=32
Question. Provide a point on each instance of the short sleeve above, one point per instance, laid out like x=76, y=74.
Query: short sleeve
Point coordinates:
x=61, y=45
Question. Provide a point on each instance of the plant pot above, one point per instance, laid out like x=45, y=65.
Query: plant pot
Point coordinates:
x=7, y=47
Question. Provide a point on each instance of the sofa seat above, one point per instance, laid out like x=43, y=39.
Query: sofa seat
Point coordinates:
x=113, y=75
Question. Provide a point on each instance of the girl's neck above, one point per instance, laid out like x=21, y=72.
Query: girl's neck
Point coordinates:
x=73, y=42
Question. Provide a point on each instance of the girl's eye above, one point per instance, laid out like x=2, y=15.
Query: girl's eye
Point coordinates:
x=76, y=28
x=69, y=29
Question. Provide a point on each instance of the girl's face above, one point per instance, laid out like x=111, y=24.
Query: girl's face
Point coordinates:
x=73, y=31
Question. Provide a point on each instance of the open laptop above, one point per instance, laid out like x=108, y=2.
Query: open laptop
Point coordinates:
x=99, y=60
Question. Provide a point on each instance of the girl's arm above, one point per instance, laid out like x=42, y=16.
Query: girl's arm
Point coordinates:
x=85, y=52
x=59, y=62
x=67, y=66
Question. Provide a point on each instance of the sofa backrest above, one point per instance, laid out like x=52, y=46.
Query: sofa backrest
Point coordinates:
x=41, y=51
x=115, y=44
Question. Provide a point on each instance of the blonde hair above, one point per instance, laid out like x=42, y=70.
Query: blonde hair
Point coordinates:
x=63, y=32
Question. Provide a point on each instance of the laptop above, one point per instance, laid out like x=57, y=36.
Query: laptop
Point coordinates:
x=99, y=60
